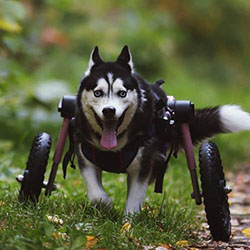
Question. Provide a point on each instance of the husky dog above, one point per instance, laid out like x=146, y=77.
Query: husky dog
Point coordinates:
x=115, y=127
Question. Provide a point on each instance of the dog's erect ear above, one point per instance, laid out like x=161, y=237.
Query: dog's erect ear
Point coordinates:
x=94, y=59
x=125, y=57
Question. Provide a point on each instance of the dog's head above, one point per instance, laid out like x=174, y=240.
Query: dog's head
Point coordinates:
x=109, y=96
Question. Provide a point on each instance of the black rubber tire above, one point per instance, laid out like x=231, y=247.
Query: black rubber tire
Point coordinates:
x=35, y=168
x=214, y=195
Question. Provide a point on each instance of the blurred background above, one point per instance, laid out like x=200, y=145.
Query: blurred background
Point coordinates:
x=200, y=48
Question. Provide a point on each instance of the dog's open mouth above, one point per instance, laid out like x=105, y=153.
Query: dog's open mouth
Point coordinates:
x=109, y=131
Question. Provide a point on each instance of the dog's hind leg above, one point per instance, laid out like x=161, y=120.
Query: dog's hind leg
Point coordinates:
x=93, y=179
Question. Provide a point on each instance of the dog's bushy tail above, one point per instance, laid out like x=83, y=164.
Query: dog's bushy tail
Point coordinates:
x=222, y=119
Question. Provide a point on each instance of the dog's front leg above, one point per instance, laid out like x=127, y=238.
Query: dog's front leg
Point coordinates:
x=137, y=187
x=92, y=176
x=96, y=193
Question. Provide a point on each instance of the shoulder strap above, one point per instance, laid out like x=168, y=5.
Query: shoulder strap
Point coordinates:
x=70, y=154
x=160, y=176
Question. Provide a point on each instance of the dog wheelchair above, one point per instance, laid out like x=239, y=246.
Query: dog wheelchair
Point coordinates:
x=213, y=185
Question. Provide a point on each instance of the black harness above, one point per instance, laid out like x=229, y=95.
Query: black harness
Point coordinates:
x=114, y=162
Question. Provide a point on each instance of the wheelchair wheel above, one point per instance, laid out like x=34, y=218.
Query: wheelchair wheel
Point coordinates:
x=214, y=193
x=33, y=177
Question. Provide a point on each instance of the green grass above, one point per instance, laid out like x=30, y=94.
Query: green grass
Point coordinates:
x=166, y=218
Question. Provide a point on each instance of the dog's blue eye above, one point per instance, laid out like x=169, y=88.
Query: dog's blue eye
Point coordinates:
x=122, y=94
x=98, y=93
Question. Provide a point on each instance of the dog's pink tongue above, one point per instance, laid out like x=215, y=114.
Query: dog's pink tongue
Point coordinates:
x=109, y=139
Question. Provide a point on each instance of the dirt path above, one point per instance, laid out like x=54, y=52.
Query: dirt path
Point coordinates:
x=239, y=200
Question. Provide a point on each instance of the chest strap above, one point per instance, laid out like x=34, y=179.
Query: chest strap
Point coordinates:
x=114, y=162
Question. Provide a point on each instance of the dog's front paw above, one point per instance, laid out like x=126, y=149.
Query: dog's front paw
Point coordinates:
x=102, y=201
x=132, y=209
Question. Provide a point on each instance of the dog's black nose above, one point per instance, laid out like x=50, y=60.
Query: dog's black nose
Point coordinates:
x=108, y=112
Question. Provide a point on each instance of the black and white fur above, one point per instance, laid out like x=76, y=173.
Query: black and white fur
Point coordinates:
x=111, y=97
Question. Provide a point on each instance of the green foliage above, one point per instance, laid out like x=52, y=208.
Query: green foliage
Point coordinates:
x=191, y=44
